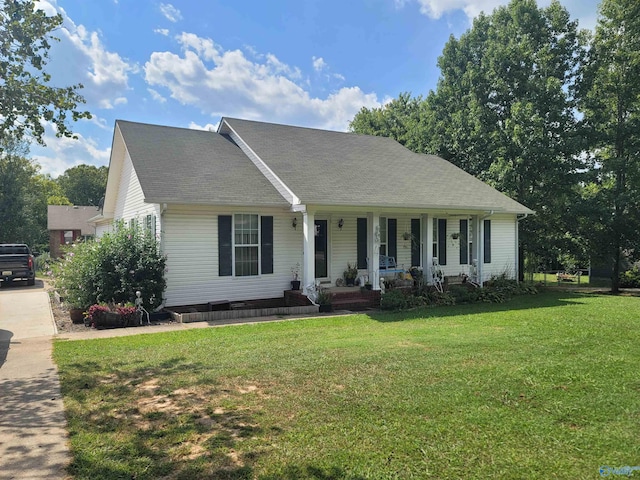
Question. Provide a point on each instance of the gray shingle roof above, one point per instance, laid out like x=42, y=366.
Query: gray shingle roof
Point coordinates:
x=65, y=217
x=335, y=168
x=180, y=165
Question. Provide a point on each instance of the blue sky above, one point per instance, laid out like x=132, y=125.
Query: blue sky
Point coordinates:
x=300, y=62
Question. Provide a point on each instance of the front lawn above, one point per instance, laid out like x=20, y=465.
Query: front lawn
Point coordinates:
x=544, y=386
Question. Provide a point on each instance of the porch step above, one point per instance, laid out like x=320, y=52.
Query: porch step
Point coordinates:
x=352, y=303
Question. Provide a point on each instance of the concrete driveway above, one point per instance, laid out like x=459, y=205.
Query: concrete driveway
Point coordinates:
x=33, y=437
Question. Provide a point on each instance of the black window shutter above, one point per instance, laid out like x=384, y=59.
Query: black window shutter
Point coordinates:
x=442, y=241
x=225, y=257
x=415, y=242
x=392, y=238
x=464, y=242
x=487, y=241
x=361, y=242
x=266, y=244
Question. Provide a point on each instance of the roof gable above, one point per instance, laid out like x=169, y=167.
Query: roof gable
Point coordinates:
x=180, y=165
x=346, y=169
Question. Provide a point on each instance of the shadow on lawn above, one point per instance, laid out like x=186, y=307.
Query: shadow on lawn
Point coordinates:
x=293, y=472
x=157, y=421
x=545, y=299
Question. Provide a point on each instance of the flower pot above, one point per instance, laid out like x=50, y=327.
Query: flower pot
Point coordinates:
x=76, y=315
x=324, y=308
x=351, y=282
x=368, y=286
x=295, y=284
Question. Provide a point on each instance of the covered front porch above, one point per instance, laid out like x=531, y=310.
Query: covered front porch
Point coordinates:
x=383, y=244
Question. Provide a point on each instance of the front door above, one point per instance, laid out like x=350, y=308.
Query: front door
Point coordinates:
x=321, y=250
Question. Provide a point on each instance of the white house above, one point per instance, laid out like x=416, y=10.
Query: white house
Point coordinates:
x=236, y=210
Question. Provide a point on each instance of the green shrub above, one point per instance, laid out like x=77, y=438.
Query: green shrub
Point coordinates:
x=42, y=263
x=393, y=300
x=441, y=299
x=463, y=294
x=111, y=269
x=631, y=278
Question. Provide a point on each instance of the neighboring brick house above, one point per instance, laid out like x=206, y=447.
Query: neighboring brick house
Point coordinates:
x=67, y=223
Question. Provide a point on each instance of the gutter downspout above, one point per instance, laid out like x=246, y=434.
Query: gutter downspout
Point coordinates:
x=518, y=218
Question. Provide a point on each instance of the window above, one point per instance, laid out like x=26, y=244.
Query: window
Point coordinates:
x=150, y=225
x=389, y=237
x=466, y=242
x=434, y=247
x=439, y=245
x=246, y=244
x=383, y=236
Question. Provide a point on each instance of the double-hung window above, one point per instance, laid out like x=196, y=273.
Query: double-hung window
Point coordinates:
x=150, y=225
x=466, y=242
x=439, y=244
x=383, y=236
x=246, y=244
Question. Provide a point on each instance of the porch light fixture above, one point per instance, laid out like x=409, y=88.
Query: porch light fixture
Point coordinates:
x=294, y=222
x=340, y=223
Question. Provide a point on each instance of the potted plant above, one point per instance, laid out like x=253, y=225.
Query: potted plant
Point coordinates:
x=295, y=272
x=324, y=300
x=350, y=274
x=368, y=285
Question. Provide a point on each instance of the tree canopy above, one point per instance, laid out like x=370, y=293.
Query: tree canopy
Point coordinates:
x=83, y=184
x=27, y=99
x=610, y=101
x=504, y=111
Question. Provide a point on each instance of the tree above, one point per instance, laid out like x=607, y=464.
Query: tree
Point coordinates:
x=403, y=119
x=26, y=98
x=504, y=111
x=611, y=106
x=16, y=172
x=84, y=184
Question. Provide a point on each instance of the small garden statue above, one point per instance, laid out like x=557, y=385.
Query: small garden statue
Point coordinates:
x=140, y=309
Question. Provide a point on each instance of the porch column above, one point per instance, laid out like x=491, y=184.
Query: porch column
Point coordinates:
x=373, y=249
x=308, y=259
x=428, y=247
x=480, y=249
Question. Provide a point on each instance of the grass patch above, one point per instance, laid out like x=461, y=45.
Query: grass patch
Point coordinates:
x=545, y=386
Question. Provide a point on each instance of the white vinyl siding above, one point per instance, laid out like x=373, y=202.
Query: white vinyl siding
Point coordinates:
x=503, y=247
x=130, y=204
x=191, y=246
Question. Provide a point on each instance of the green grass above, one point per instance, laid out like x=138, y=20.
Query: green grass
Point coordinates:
x=542, y=387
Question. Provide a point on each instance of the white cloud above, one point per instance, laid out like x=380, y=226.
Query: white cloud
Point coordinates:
x=210, y=127
x=472, y=8
x=170, y=12
x=318, y=64
x=156, y=96
x=81, y=57
x=162, y=31
x=584, y=10
x=64, y=153
x=220, y=82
